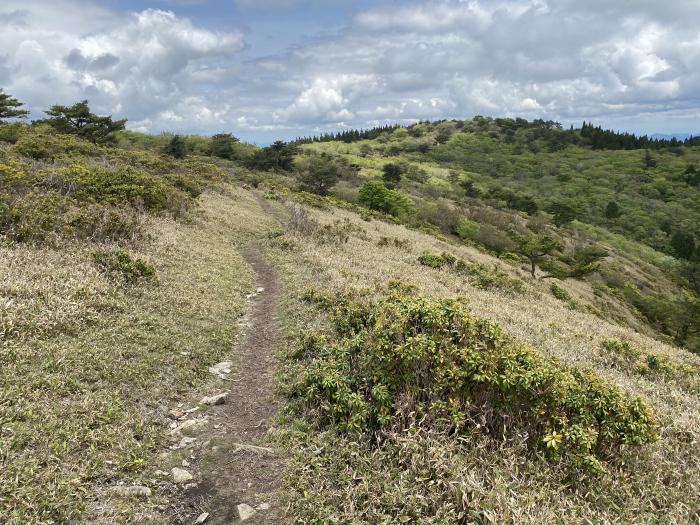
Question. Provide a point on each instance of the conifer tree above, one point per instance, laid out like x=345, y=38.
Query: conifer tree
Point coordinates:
x=10, y=107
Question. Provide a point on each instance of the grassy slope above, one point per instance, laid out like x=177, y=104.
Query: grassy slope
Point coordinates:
x=91, y=365
x=430, y=478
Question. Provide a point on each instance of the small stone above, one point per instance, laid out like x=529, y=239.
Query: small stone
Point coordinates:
x=222, y=369
x=185, y=442
x=245, y=511
x=176, y=414
x=135, y=490
x=204, y=516
x=192, y=424
x=181, y=476
x=263, y=506
x=160, y=473
x=218, y=399
x=260, y=290
x=185, y=463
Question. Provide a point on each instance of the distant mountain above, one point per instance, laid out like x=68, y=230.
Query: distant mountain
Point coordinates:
x=669, y=136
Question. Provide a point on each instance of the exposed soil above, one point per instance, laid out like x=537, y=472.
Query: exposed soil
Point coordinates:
x=232, y=467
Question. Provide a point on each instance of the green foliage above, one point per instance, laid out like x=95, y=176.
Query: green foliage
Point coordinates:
x=79, y=120
x=120, y=265
x=559, y=292
x=481, y=276
x=319, y=174
x=683, y=244
x=612, y=210
x=562, y=212
x=392, y=174
x=537, y=246
x=467, y=230
x=176, y=147
x=376, y=196
x=10, y=107
x=65, y=192
x=42, y=142
x=222, y=146
x=409, y=354
x=277, y=156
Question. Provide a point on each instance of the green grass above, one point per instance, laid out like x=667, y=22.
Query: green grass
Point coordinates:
x=88, y=363
x=422, y=475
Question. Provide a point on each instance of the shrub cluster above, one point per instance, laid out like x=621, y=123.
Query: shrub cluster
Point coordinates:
x=406, y=354
x=120, y=265
x=74, y=189
x=482, y=276
x=623, y=355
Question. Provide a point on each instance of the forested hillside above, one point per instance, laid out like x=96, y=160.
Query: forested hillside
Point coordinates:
x=618, y=211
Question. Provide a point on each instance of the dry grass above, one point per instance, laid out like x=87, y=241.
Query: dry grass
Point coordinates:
x=90, y=366
x=657, y=484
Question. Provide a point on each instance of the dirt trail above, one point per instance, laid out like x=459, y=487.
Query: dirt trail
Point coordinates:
x=238, y=471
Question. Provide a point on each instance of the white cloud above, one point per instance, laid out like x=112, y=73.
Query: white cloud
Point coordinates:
x=149, y=64
x=560, y=59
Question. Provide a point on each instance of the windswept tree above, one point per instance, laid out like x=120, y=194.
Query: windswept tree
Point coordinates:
x=319, y=174
x=277, y=156
x=585, y=260
x=222, y=146
x=535, y=247
x=79, y=120
x=10, y=107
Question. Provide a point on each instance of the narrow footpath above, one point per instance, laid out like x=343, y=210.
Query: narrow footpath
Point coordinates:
x=239, y=477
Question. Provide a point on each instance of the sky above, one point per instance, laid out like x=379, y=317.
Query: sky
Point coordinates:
x=269, y=69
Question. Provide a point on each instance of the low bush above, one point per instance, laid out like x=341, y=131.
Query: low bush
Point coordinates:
x=481, y=276
x=403, y=244
x=120, y=265
x=43, y=143
x=407, y=356
x=467, y=230
x=559, y=292
x=623, y=355
x=375, y=196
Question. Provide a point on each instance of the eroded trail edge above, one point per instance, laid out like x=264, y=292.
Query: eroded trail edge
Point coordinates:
x=239, y=475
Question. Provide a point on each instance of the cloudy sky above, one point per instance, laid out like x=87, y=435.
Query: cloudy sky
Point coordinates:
x=266, y=69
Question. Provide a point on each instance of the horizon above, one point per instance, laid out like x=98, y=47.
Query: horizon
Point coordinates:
x=281, y=69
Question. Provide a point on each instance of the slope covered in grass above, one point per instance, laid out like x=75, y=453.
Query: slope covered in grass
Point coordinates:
x=103, y=327
x=495, y=469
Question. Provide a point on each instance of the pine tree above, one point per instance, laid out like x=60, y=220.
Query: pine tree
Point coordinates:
x=9, y=107
x=79, y=120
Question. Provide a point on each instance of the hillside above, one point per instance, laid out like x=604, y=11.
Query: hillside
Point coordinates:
x=495, y=182
x=423, y=375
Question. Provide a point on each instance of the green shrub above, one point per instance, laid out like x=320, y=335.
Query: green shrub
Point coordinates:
x=467, y=230
x=408, y=354
x=10, y=132
x=620, y=348
x=120, y=265
x=482, y=276
x=43, y=143
x=375, y=196
x=432, y=260
x=559, y=292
